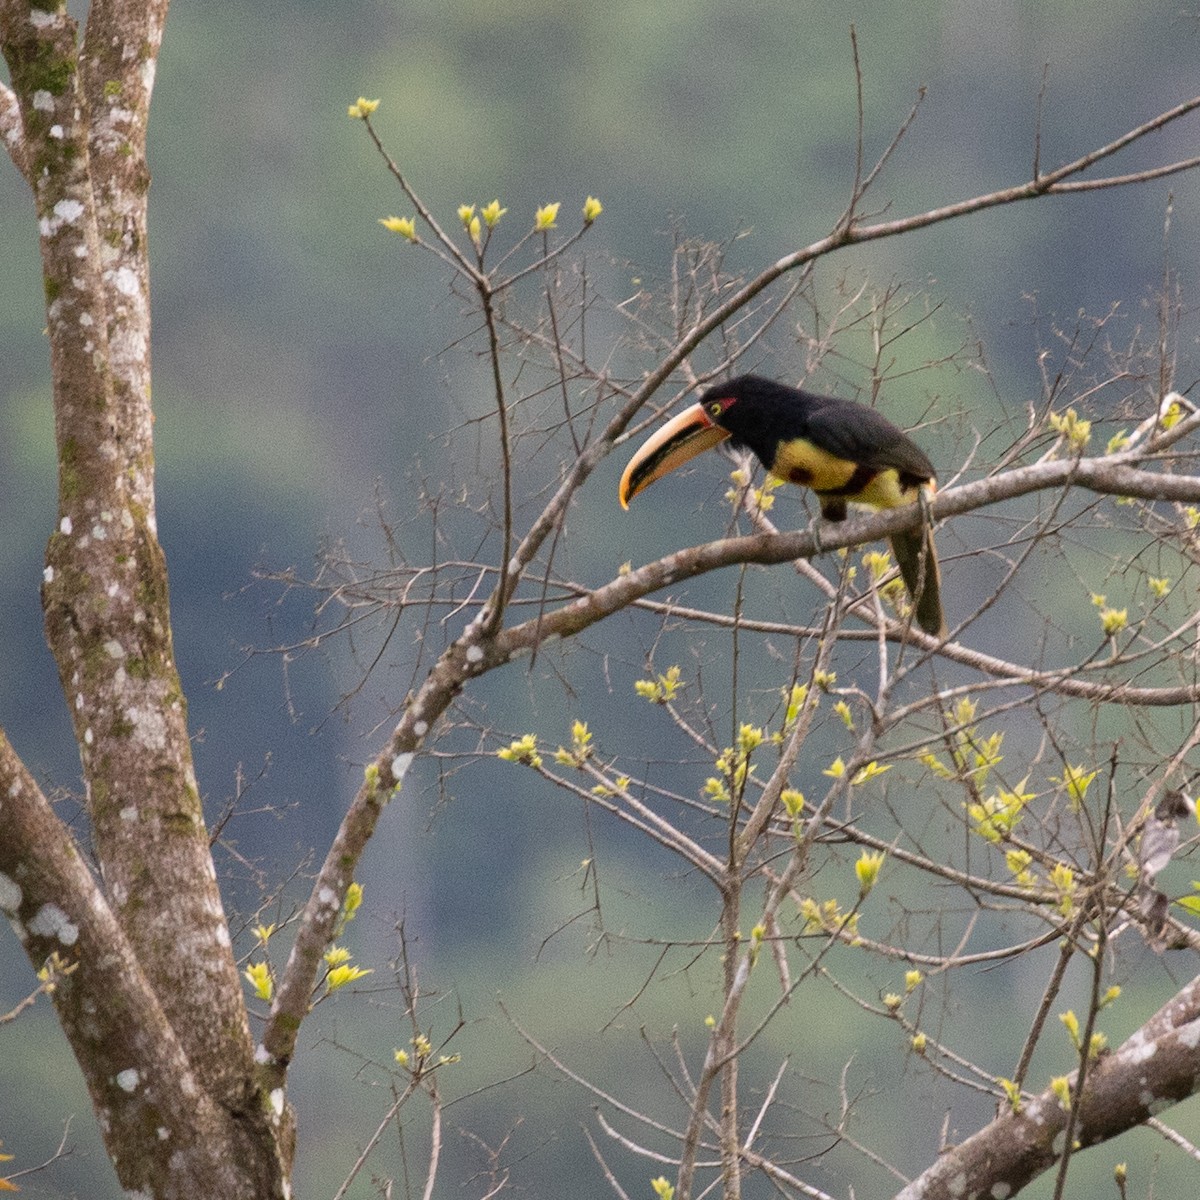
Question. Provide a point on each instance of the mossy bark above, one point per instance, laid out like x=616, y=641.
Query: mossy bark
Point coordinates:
x=152, y=959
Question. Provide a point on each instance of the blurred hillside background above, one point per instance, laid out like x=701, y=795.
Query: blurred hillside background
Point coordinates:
x=299, y=373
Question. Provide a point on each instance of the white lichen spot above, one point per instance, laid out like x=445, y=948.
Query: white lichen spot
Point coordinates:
x=958, y=1185
x=48, y=575
x=14, y=788
x=262, y=1056
x=129, y=813
x=51, y=921
x=1139, y=1053
x=1189, y=1034
x=57, y=131
x=65, y=526
x=88, y=737
x=420, y=728
x=277, y=1102
x=68, y=211
x=79, y=702
x=148, y=68
x=114, y=649
x=328, y=897
x=43, y=100
x=222, y=936
x=112, y=590
x=10, y=894
x=514, y=567
x=81, y=251
x=128, y=1080
x=86, y=320
x=474, y=654
x=99, y=532
x=1001, y=1190
x=400, y=765
x=163, y=1133
x=150, y=726
x=126, y=282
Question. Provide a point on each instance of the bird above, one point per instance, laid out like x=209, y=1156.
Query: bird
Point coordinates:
x=1160, y=837
x=1160, y=840
x=846, y=452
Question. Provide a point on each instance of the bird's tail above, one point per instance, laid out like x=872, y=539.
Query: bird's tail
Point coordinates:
x=916, y=556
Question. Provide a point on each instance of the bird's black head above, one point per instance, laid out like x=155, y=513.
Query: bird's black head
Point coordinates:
x=754, y=411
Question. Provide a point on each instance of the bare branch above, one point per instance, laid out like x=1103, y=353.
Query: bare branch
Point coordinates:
x=1164, y=1056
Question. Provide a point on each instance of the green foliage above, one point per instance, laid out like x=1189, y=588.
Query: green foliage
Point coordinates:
x=661, y=690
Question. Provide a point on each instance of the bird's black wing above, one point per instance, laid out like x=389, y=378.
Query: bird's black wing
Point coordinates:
x=860, y=434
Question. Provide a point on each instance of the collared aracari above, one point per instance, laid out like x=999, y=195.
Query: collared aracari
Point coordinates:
x=845, y=451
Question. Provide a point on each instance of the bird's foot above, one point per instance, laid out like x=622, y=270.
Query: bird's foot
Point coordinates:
x=814, y=529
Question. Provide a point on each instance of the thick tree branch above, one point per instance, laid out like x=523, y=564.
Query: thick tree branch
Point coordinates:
x=105, y=595
x=1157, y=1067
x=1106, y=476
x=139, y=1077
x=12, y=130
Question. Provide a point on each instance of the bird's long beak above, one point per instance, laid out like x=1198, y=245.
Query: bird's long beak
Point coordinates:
x=680, y=439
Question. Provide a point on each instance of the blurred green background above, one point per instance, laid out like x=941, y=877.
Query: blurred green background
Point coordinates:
x=299, y=368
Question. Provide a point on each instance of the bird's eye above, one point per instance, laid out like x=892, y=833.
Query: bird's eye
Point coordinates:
x=716, y=408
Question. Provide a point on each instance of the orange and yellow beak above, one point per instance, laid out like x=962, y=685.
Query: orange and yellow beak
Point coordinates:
x=678, y=441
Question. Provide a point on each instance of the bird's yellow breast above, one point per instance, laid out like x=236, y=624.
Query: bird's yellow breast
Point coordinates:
x=799, y=461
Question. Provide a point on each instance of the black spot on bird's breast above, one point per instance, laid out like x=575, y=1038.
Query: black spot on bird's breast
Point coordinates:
x=855, y=484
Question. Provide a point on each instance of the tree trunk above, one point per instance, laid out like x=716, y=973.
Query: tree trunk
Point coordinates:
x=152, y=1002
